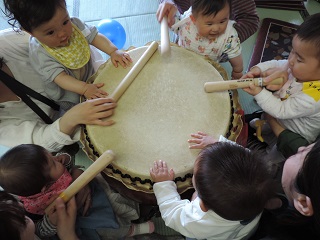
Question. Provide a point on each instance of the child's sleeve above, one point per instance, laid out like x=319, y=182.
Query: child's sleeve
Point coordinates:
x=89, y=31
x=44, y=228
x=44, y=64
x=271, y=64
x=246, y=17
x=174, y=210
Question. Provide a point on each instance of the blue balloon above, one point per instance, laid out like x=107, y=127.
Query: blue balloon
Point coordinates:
x=113, y=30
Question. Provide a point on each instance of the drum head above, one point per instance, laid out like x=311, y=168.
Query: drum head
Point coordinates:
x=155, y=116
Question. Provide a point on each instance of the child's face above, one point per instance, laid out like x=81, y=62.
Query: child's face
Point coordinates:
x=290, y=171
x=304, y=64
x=55, y=165
x=212, y=26
x=56, y=32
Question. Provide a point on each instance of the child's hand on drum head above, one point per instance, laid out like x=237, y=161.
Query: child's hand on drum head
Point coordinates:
x=160, y=172
x=200, y=140
x=120, y=57
x=93, y=91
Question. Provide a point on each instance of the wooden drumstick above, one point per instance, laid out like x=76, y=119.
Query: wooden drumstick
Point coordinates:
x=165, y=42
x=240, y=83
x=128, y=79
x=96, y=167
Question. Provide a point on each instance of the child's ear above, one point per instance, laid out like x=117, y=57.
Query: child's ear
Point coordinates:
x=43, y=189
x=303, y=204
x=193, y=19
x=203, y=207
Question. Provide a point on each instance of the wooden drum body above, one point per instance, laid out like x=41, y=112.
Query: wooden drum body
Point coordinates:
x=156, y=115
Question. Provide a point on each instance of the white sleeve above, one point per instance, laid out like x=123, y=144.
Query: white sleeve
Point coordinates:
x=183, y=216
x=173, y=209
x=271, y=64
x=14, y=132
x=299, y=105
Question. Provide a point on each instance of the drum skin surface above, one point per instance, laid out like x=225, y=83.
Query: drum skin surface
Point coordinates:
x=155, y=116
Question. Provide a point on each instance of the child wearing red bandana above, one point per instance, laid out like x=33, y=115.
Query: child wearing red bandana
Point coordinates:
x=37, y=178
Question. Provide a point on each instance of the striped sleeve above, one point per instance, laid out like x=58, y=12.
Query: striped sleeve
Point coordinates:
x=182, y=5
x=44, y=228
x=245, y=14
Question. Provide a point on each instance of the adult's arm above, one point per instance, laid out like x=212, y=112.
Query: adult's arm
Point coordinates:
x=288, y=142
x=245, y=14
x=18, y=131
x=64, y=131
x=182, y=5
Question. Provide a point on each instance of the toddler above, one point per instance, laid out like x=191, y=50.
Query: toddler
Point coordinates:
x=296, y=104
x=59, y=48
x=206, y=29
x=232, y=185
x=37, y=178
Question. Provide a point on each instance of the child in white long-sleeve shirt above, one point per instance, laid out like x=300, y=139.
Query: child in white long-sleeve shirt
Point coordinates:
x=296, y=104
x=232, y=186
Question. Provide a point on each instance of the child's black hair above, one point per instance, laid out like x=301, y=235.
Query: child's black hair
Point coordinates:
x=30, y=14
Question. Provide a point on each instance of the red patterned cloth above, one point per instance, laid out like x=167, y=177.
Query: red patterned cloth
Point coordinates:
x=37, y=203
